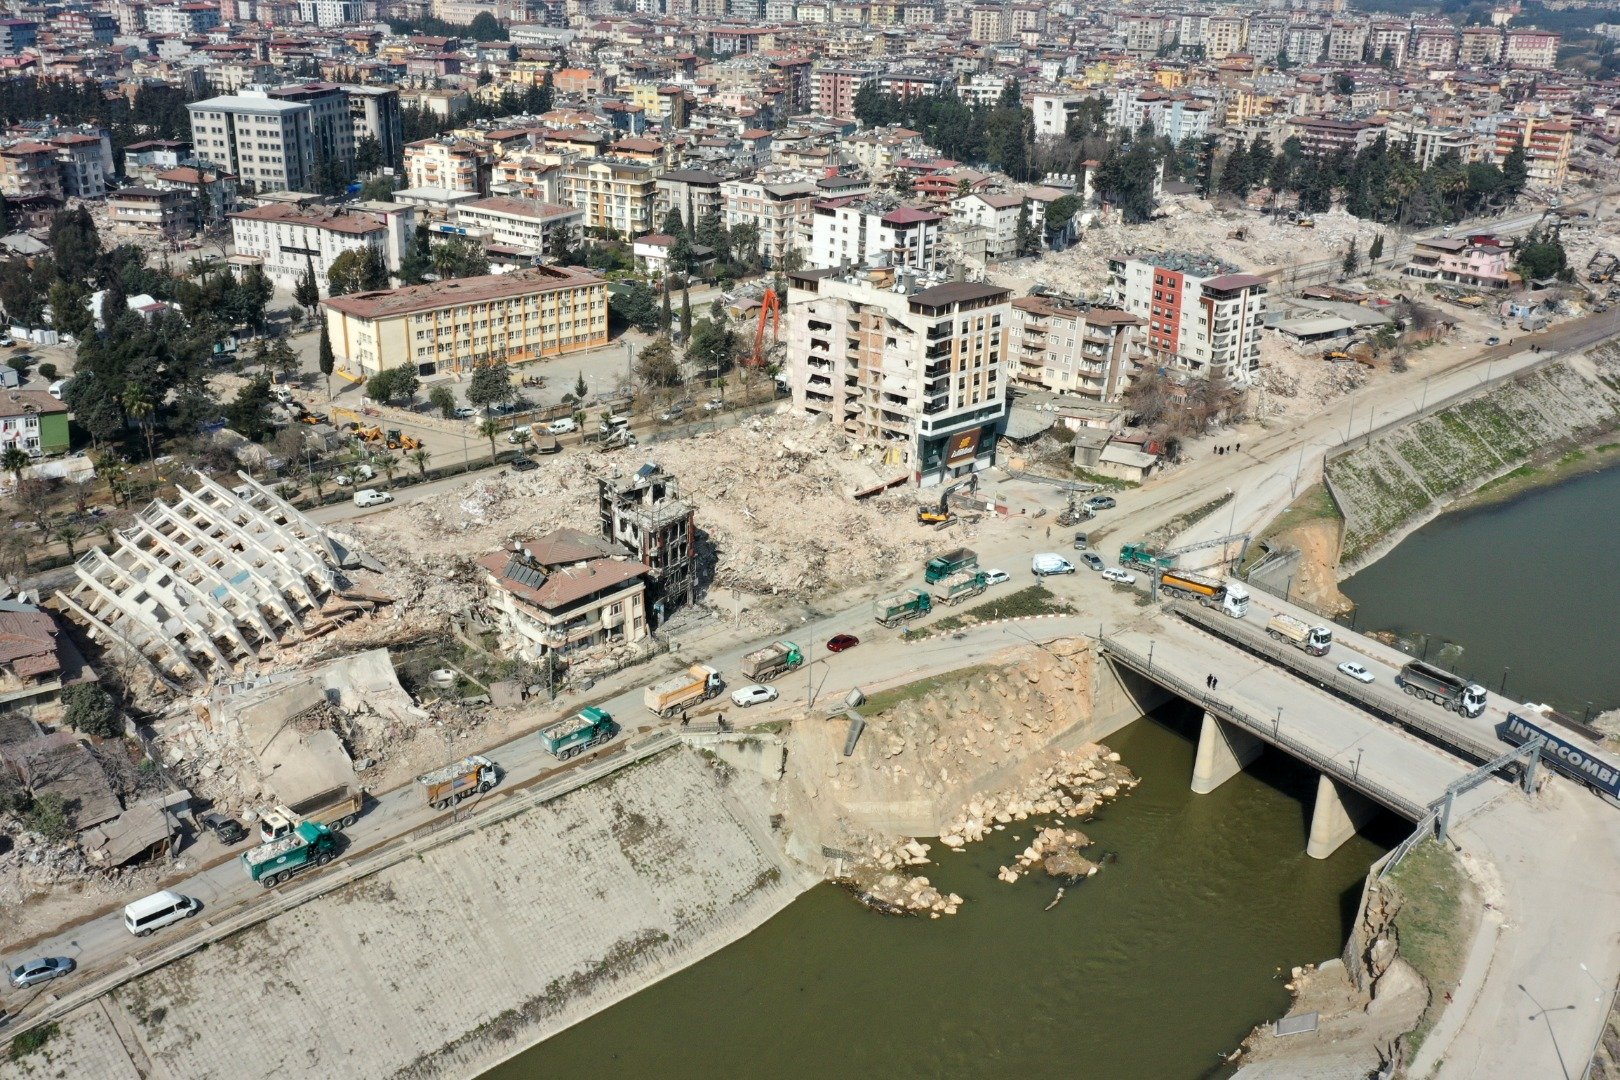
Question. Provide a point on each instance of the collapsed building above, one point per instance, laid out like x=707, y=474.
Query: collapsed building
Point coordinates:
x=645, y=513
x=197, y=588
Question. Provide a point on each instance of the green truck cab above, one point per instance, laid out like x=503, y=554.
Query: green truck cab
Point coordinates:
x=309, y=844
x=943, y=566
x=585, y=729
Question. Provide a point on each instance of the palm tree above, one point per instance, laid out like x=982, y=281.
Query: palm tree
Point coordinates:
x=139, y=408
x=489, y=429
x=420, y=458
x=70, y=534
x=388, y=463
x=14, y=461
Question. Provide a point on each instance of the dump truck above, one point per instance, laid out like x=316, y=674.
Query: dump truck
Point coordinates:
x=310, y=844
x=1450, y=692
x=669, y=696
x=763, y=665
x=1300, y=634
x=336, y=808
x=587, y=728
x=449, y=784
x=1137, y=553
x=1227, y=597
x=943, y=566
x=960, y=586
x=907, y=604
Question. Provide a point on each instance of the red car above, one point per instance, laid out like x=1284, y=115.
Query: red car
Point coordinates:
x=841, y=642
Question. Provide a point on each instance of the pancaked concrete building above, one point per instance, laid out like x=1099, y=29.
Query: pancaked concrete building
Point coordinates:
x=645, y=513
x=566, y=592
x=197, y=588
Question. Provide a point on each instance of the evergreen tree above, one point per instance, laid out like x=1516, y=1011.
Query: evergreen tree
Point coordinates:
x=686, y=314
x=328, y=359
x=1028, y=242
x=1351, y=259
x=1376, y=250
x=307, y=293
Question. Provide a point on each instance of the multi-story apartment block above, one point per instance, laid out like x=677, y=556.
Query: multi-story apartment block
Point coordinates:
x=330, y=12
x=833, y=87
x=989, y=24
x=1529, y=48
x=17, y=35
x=1347, y=42
x=1483, y=265
x=519, y=223
x=145, y=211
x=920, y=370
x=780, y=213
x=1223, y=36
x=1324, y=136
x=269, y=144
x=1433, y=47
x=1481, y=45
x=287, y=239
x=1145, y=34
x=1546, y=144
x=29, y=170
x=1067, y=349
x=447, y=163
x=692, y=193
x=565, y=592
x=329, y=120
x=994, y=217
x=1305, y=43
x=1266, y=39
x=645, y=513
x=616, y=195
x=872, y=232
x=375, y=111
x=466, y=323
x=182, y=19
x=85, y=162
x=1387, y=43
x=1201, y=317
x=212, y=192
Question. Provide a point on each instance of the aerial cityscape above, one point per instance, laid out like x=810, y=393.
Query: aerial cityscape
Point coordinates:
x=764, y=537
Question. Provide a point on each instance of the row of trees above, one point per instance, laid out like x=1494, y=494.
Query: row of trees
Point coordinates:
x=1000, y=135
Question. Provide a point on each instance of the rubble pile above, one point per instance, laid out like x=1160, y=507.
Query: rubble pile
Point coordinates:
x=1055, y=849
x=1074, y=786
x=774, y=499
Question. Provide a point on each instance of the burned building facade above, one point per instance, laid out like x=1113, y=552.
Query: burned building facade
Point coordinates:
x=645, y=513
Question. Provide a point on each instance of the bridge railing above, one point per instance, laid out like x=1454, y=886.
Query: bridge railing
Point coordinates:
x=1267, y=730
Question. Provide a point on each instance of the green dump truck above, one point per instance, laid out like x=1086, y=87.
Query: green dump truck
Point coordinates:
x=309, y=844
x=1139, y=554
x=587, y=728
x=908, y=604
x=763, y=665
x=943, y=566
x=960, y=586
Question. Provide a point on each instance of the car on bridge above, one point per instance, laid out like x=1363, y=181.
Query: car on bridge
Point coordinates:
x=1356, y=671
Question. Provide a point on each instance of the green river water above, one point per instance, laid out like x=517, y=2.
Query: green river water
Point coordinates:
x=1152, y=969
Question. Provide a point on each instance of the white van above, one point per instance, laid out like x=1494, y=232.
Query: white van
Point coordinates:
x=562, y=427
x=57, y=389
x=371, y=497
x=613, y=423
x=521, y=433
x=1049, y=563
x=157, y=911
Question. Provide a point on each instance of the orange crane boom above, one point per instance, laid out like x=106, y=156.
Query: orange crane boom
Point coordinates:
x=770, y=306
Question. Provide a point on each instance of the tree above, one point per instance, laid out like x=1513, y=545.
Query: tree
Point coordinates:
x=1375, y=251
x=1346, y=84
x=307, y=293
x=459, y=257
x=491, y=385
x=442, y=399
x=368, y=154
x=656, y=366
x=249, y=413
x=420, y=458
x=582, y=389
x=686, y=314
x=666, y=318
x=391, y=383
x=560, y=245
x=1541, y=255
x=1515, y=171
x=635, y=305
x=14, y=460
x=485, y=27
x=1027, y=240
x=489, y=429
x=253, y=294
x=1351, y=259
x=139, y=408
x=328, y=360
x=360, y=270
x=280, y=360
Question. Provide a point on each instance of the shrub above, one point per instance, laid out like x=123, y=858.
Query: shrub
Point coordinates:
x=47, y=371
x=47, y=815
x=91, y=710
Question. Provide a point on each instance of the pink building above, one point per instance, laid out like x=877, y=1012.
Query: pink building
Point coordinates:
x=1478, y=261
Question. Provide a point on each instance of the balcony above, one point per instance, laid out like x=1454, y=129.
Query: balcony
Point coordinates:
x=937, y=352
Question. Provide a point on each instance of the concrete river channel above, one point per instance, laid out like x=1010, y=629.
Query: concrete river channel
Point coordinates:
x=1152, y=969
x=1529, y=587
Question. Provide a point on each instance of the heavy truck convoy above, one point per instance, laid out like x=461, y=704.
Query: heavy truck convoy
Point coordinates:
x=1227, y=597
x=763, y=665
x=449, y=784
x=308, y=844
x=587, y=728
x=943, y=566
x=1315, y=640
x=907, y=604
x=1440, y=686
x=962, y=585
x=337, y=809
x=700, y=682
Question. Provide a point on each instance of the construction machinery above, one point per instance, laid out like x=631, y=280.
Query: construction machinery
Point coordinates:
x=934, y=516
x=1315, y=640
x=763, y=665
x=449, y=784
x=369, y=434
x=1139, y=554
x=770, y=308
x=1602, y=267
x=398, y=440
x=1451, y=692
x=587, y=728
x=960, y=586
x=907, y=604
x=311, y=844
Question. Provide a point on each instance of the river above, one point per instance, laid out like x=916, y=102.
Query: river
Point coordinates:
x=1152, y=969
x=1530, y=586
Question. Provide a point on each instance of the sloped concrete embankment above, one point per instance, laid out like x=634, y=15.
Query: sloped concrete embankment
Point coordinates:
x=445, y=965
x=1407, y=476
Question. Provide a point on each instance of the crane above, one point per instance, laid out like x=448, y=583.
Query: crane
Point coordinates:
x=770, y=307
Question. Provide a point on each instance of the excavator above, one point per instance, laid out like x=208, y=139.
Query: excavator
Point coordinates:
x=942, y=514
x=397, y=440
x=369, y=434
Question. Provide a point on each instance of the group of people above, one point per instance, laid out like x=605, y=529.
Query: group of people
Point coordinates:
x=1234, y=448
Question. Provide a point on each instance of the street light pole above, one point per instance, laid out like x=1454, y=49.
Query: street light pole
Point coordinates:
x=1150, y=656
x=1355, y=773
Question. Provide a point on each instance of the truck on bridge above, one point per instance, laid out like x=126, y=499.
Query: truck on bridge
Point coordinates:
x=907, y=604
x=1450, y=692
x=700, y=682
x=1137, y=553
x=587, y=728
x=943, y=566
x=763, y=665
x=1228, y=597
x=1315, y=640
x=309, y=844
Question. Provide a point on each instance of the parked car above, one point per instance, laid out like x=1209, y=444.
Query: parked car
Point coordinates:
x=1101, y=502
x=41, y=970
x=753, y=694
x=840, y=642
x=523, y=463
x=228, y=830
x=562, y=427
x=1356, y=671
x=1081, y=541
x=1493, y=340
x=1119, y=574
x=996, y=577
x=361, y=472
x=713, y=405
x=466, y=412
x=1092, y=560
x=371, y=497
x=674, y=412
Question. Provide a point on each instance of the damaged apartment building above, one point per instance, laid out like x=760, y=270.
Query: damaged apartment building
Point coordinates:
x=198, y=587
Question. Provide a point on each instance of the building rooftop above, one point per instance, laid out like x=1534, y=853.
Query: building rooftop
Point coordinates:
x=244, y=103
x=337, y=219
x=957, y=292
x=384, y=303
x=529, y=208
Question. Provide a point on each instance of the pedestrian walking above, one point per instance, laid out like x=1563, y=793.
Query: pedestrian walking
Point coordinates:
x=1214, y=682
x=1209, y=682
x=1238, y=449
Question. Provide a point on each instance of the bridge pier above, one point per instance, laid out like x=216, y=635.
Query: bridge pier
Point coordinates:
x=1338, y=813
x=1223, y=750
